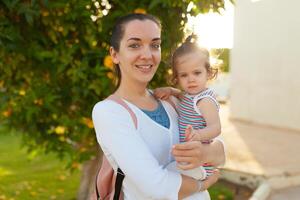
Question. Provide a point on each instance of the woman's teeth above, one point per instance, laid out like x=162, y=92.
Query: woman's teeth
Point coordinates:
x=144, y=66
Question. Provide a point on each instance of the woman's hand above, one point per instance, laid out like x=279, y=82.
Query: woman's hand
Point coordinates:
x=189, y=155
x=193, y=153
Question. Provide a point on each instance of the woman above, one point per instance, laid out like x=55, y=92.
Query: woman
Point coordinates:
x=142, y=153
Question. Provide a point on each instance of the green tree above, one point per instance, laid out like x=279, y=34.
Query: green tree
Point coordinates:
x=54, y=66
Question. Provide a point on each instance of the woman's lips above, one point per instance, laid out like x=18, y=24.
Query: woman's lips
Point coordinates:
x=145, y=67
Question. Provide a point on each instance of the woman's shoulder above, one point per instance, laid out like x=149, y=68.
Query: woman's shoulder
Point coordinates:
x=103, y=105
x=106, y=107
x=109, y=109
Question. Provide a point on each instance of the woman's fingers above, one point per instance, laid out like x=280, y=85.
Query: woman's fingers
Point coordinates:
x=183, y=159
x=191, y=152
x=186, y=165
x=185, y=153
x=211, y=180
x=188, y=145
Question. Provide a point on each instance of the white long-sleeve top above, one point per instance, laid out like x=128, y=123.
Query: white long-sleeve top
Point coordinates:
x=141, y=153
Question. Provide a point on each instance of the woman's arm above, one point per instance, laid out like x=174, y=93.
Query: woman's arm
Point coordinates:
x=190, y=185
x=196, y=154
x=121, y=142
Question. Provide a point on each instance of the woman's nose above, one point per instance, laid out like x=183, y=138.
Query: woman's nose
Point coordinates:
x=146, y=53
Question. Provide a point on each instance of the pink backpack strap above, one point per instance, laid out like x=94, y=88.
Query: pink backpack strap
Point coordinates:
x=121, y=102
x=105, y=178
x=109, y=182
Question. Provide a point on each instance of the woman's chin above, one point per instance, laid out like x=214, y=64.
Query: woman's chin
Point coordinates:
x=145, y=77
x=145, y=80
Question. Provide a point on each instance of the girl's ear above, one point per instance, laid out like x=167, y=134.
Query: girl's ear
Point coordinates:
x=114, y=55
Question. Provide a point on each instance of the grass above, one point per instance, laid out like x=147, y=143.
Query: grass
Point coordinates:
x=45, y=177
x=26, y=178
x=220, y=191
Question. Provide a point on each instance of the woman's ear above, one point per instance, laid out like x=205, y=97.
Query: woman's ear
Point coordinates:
x=114, y=56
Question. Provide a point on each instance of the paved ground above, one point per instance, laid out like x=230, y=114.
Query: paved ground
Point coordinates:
x=289, y=194
x=260, y=153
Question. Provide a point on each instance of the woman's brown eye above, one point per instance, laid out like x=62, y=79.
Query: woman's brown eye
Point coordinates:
x=134, y=45
x=156, y=46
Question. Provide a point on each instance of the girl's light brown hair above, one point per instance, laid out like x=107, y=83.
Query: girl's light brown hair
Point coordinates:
x=188, y=46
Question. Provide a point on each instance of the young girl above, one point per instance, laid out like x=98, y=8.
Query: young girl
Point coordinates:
x=198, y=108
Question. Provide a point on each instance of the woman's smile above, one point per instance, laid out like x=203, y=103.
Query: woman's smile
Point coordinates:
x=145, y=67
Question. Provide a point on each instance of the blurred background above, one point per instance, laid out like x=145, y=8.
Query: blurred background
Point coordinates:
x=55, y=65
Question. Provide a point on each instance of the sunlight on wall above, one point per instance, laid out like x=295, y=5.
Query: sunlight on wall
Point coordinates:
x=214, y=30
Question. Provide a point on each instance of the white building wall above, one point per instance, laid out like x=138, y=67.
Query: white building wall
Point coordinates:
x=265, y=63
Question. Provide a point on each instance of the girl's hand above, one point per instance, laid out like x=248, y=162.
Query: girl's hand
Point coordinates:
x=162, y=93
x=195, y=135
x=191, y=134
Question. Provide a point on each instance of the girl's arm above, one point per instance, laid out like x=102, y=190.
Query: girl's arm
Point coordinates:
x=165, y=92
x=209, y=110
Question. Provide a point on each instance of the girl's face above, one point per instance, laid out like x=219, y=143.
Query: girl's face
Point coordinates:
x=139, y=54
x=192, y=74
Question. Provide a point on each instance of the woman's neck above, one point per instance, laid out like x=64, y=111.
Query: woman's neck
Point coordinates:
x=130, y=91
x=137, y=94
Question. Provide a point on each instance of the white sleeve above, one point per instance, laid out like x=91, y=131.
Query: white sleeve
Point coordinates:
x=116, y=133
x=220, y=138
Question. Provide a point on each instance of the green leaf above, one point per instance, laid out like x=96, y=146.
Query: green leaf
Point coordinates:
x=10, y=4
x=153, y=4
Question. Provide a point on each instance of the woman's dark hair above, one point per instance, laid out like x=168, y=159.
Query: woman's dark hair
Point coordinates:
x=118, y=33
x=188, y=46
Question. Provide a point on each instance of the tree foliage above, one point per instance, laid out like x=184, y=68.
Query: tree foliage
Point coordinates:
x=54, y=64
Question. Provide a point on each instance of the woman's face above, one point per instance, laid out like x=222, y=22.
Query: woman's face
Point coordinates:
x=139, y=54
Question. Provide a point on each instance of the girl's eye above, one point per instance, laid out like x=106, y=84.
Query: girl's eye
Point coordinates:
x=183, y=75
x=198, y=73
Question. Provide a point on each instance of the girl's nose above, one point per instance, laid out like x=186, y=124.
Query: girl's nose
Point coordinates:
x=190, y=79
